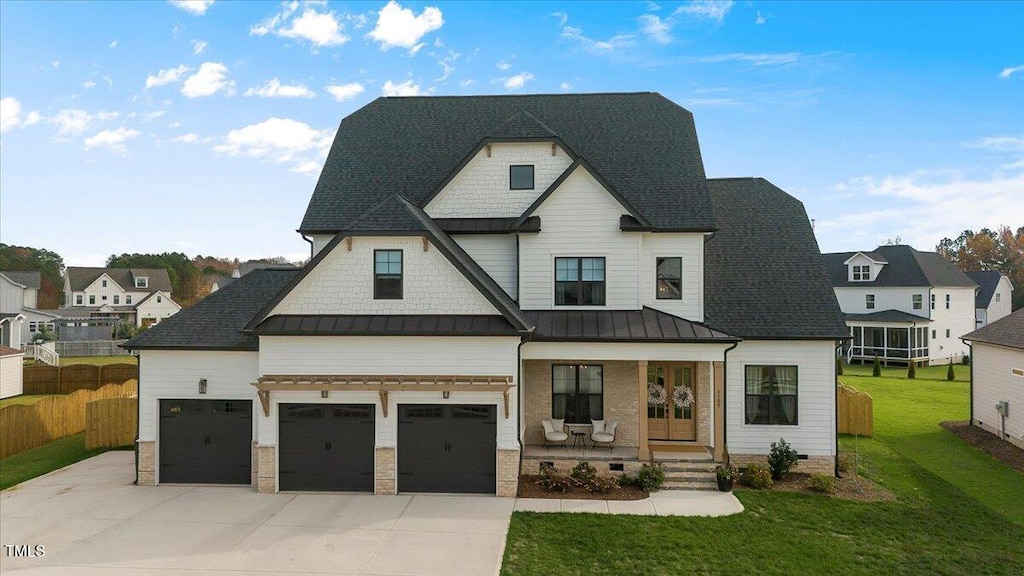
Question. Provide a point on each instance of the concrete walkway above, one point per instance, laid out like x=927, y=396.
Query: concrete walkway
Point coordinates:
x=664, y=503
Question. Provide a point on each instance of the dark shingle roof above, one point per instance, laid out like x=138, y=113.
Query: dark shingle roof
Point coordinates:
x=80, y=278
x=216, y=322
x=1008, y=331
x=987, y=281
x=906, y=267
x=8, y=351
x=764, y=278
x=26, y=279
x=386, y=325
x=887, y=316
x=246, y=267
x=642, y=143
x=647, y=325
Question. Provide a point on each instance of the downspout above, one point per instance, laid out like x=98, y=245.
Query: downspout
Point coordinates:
x=835, y=375
x=310, y=240
x=138, y=417
x=725, y=391
x=970, y=384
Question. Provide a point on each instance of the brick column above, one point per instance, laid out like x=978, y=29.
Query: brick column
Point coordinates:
x=147, y=463
x=641, y=409
x=266, y=470
x=384, y=475
x=508, y=473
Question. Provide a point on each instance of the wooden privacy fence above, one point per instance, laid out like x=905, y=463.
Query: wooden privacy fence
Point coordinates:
x=111, y=422
x=23, y=427
x=856, y=415
x=67, y=379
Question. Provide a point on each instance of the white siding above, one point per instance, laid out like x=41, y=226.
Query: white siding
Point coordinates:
x=11, y=375
x=481, y=188
x=343, y=283
x=175, y=374
x=579, y=219
x=491, y=356
x=958, y=319
x=11, y=297
x=320, y=241
x=158, y=307
x=815, y=361
x=1002, y=308
x=852, y=299
x=496, y=254
x=994, y=382
x=862, y=260
x=690, y=247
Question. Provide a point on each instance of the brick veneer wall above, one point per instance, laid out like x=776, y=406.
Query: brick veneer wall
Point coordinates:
x=704, y=403
x=812, y=465
x=266, y=475
x=508, y=472
x=531, y=465
x=384, y=471
x=147, y=463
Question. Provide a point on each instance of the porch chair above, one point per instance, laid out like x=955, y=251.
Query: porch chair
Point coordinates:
x=604, y=433
x=553, y=433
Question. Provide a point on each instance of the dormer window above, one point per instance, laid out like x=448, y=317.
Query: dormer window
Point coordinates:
x=861, y=273
x=520, y=177
x=142, y=282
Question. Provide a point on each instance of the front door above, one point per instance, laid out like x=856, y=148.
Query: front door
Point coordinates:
x=671, y=401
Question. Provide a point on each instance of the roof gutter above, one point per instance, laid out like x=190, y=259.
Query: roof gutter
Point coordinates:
x=970, y=385
x=835, y=375
x=310, y=240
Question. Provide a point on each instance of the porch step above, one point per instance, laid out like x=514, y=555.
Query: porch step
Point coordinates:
x=700, y=483
x=673, y=468
x=660, y=456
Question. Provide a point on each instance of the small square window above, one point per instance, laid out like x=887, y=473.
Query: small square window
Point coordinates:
x=387, y=274
x=520, y=177
x=142, y=282
x=104, y=297
x=159, y=299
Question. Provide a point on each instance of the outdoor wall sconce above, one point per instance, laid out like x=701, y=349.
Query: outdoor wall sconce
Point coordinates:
x=323, y=393
x=202, y=385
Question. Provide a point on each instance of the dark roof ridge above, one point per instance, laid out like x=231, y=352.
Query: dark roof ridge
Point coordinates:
x=545, y=94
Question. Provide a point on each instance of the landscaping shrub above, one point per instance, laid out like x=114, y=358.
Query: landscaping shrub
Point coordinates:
x=626, y=480
x=822, y=483
x=839, y=366
x=757, y=476
x=553, y=480
x=781, y=459
x=602, y=484
x=912, y=371
x=950, y=375
x=966, y=360
x=650, y=477
x=876, y=369
x=583, y=473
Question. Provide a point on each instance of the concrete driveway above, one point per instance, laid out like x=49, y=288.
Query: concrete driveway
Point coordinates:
x=92, y=520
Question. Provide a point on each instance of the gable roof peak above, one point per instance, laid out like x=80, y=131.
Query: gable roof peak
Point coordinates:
x=522, y=124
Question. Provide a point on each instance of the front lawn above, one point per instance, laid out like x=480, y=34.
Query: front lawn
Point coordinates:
x=957, y=511
x=46, y=458
x=961, y=372
x=97, y=360
x=25, y=399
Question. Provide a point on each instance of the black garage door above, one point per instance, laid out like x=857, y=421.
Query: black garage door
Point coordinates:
x=447, y=448
x=326, y=447
x=206, y=441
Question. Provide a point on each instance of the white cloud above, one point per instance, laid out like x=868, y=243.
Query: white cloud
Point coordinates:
x=447, y=64
x=89, y=84
x=319, y=28
x=565, y=86
x=505, y=64
x=617, y=42
x=999, y=144
x=196, y=7
x=657, y=29
x=113, y=44
x=274, y=89
x=169, y=76
x=765, y=59
x=406, y=88
x=516, y=82
x=402, y=28
x=10, y=114
x=562, y=17
x=467, y=82
x=1007, y=72
x=72, y=122
x=342, y=92
x=711, y=9
x=660, y=29
x=175, y=124
x=198, y=46
x=210, y=79
x=33, y=117
x=113, y=139
x=189, y=138
x=279, y=140
x=55, y=63
x=760, y=19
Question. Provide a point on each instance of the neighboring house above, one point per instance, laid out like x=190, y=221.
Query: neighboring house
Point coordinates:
x=138, y=295
x=11, y=361
x=995, y=296
x=11, y=325
x=246, y=267
x=485, y=263
x=19, y=293
x=903, y=305
x=997, y=377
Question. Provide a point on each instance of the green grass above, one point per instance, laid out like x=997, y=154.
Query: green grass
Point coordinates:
x=957, y=511
x=961, y=372
x=47, y=458
x=97, y=360
x=25, y=399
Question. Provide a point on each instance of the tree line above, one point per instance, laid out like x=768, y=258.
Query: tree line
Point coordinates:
x=1001, y=250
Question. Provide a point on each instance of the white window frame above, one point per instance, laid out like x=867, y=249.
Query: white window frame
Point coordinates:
x=862, y=273
x=869, y=301
x=142, y=282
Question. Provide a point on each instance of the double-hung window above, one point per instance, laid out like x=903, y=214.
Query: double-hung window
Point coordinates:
x=579, y=282
x=869, y=301
x=577, y=392
x=92, y=299
x=933, y=301
x=947, y=301
x=387, y=274
x=771, y=395
x=918, y=301
x=78, y=299
x=670, y=278
x=117, y=299
x=127, y=298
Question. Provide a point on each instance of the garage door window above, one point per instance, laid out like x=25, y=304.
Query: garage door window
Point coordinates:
x=577, y=392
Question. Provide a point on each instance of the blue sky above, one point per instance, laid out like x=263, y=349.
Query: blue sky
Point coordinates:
x=200, y=127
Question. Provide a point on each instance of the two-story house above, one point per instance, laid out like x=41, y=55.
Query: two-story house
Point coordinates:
x=902, y=305
x=994, y=299
x=481, y=265
x=19, y=300
x=138, y=295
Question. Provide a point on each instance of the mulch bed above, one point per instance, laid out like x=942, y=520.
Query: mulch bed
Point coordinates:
x=988, y=443
x=849, y=487
x=528, y=488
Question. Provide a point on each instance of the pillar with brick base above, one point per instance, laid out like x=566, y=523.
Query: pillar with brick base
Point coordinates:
x=147, y=463
x=266, y=469
x=384, y=471
x=508, y=473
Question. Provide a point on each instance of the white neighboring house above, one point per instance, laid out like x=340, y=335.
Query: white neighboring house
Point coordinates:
x=138, y=295
x=997, y=377
x=995, y=296
x=903, y=305
x=11, y=360
x=19, y=294
x=481, y=264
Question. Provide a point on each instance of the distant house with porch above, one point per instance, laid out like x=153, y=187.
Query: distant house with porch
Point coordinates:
x=994, y=298
x=141, y=296
x=903, y=305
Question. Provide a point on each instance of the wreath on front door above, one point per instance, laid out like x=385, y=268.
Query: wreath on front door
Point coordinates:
x=682, y=396
x=656, y=394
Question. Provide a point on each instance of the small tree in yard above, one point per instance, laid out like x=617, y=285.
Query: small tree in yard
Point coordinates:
x=950, y=375
x=912, y=370
x=876, y=370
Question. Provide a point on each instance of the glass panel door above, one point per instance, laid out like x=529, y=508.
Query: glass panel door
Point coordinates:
x=683, y=400
x=657, y=402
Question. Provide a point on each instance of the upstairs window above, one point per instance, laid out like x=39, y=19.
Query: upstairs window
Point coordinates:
x=861, y=273
x=127, y=298
x=999, y=297
x=520, y=177
x=159, y=299
x=142, y=282
x=117, y=299
x=104, y=283
x=918, y=301
x=947, y=301
x=579, y=282
x=387, y=274
x=92, y=299
x=78, y=299
x=670, y=279
x=933, y=301
x=869, y=301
